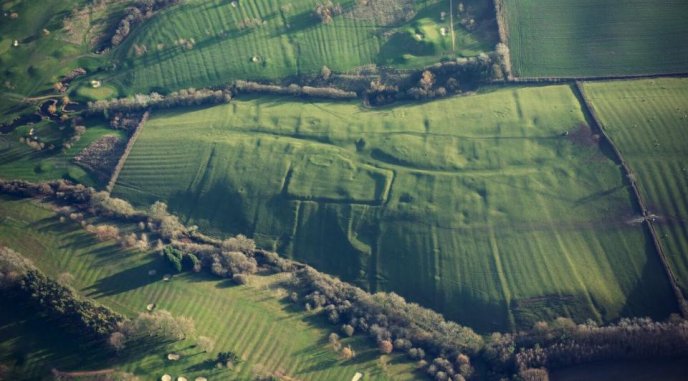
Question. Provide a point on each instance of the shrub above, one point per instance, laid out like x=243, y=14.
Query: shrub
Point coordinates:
x=347, y=353
x=173, y=256
x=206, y=344
x=348, y=330
x=240, y=279
x=385, y=346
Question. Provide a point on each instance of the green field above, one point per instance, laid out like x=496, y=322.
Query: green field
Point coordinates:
x=46, y=52
x=479, y=207
x=270, y=335
x=19, y=161
x=207, y=43
x=587, y=38
x=648, y=122
x=89, y=93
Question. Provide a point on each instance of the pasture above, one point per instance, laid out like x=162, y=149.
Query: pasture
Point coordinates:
x=19, y=161
x=46, y=51
x=496, y=209
x=648, y=121
x=271, y=336
x=588, y=38
x=212, y=42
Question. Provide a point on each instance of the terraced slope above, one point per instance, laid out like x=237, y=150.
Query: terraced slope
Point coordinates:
x=210, y=42
x=586, y=38
x=496, y=209
x=648, y=121
x=271, y=336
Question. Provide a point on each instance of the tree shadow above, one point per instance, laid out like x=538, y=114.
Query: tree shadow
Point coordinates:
x=124, y=281
x=652, y=294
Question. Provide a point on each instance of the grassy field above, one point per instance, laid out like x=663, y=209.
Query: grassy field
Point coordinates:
x=45, y=51
x=204, y=43
x=585, y=38
x=481, y=207
x=270, y=335
x=19, y=161
x=648, y=121
x=88, y=93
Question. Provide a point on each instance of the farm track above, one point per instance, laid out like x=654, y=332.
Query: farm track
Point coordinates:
x=647, y=216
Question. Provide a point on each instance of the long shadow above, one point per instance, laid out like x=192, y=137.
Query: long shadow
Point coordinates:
x=124, y=281
x=652, y=294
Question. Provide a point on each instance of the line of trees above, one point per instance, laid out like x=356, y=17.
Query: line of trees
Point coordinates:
x=181, y=98
x=392, y=322
x=564, y=343
x=294, y=90
x=438, y=80
x=83, y=317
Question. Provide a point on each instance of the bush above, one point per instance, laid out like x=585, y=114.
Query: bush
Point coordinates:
x=173, y=256
x=385, y=346
x=240, y=279
x=348, y=330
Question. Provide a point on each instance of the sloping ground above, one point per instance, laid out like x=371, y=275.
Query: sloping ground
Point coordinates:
x=587, y=38
x=648, y=122
x=250, y=320
x=206, y=43
x=497, y=209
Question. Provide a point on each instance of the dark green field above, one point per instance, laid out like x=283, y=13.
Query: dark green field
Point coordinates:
x=590, y=38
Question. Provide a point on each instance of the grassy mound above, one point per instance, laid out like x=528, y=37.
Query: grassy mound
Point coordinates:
x=497, y=209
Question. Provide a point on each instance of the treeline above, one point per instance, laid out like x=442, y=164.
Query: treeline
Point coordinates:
x=82, y=317
x=294, y=90
x=446, y=350
x=564, y=343
x=393, y=323
x=184, y=97
x=435, y=81
x=136, y=14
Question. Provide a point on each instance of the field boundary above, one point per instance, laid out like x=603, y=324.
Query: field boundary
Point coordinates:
x=503, y=31
x=125, y=154
x=541, y=80
x=647, y=216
